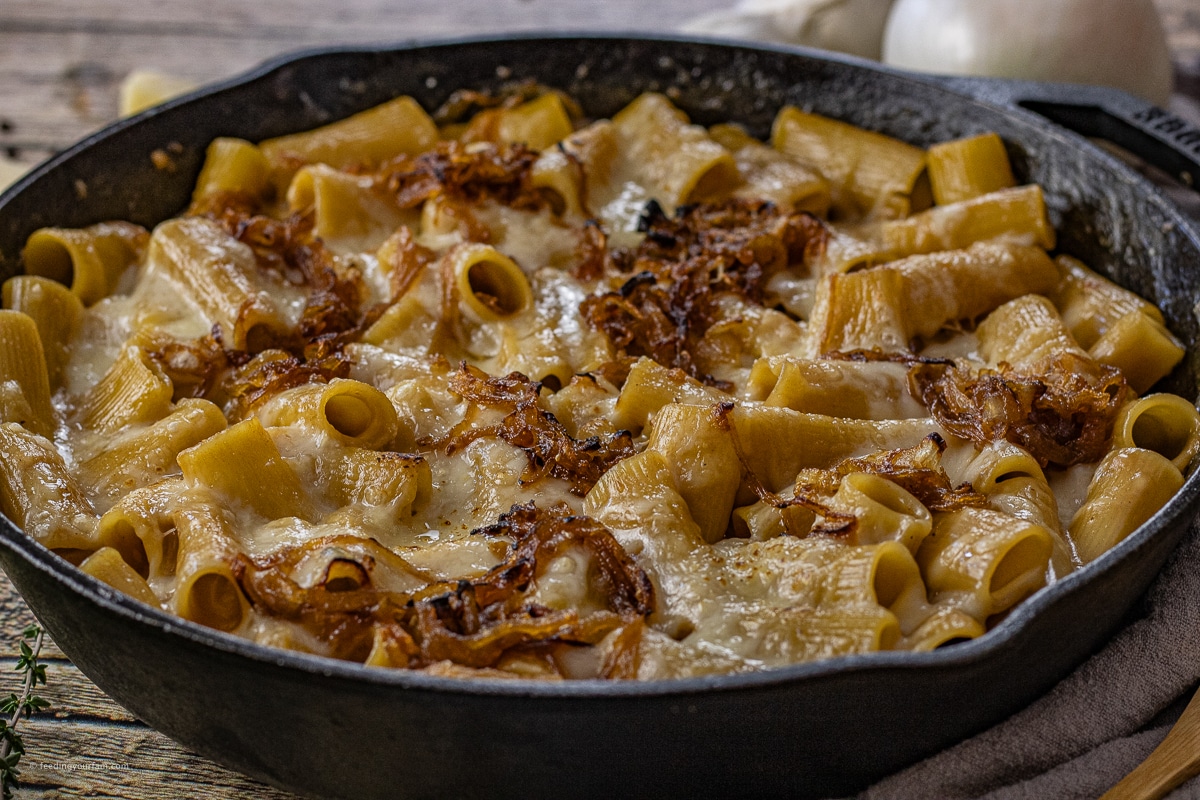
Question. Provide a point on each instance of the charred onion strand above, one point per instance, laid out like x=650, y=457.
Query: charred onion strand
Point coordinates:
x=541, y=533
x=685, y=265
x=1063, y=414
x=464, y=172
x=333, y=316
x=262, y=378
x=917, y=469
x=473, y=623
x=876, y=355
x=547, y=445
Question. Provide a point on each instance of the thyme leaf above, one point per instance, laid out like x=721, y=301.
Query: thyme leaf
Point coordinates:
x=15, y=706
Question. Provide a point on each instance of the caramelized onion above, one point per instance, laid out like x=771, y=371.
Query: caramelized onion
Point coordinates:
x=547, y=445
x=333, y=316
x=918, y=470
x=624, y=655
x=469, y=173
x=683, y=268
x=471, y=623
x=275, y=371
x=540, y=534
x=1062, y=413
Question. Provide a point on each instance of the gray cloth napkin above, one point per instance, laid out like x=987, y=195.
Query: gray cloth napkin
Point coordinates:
x=1096, y=725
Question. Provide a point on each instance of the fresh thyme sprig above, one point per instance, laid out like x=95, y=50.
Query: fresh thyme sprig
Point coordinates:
x=17, y=706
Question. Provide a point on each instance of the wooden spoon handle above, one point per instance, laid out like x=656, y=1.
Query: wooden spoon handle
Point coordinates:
x=1175, y=760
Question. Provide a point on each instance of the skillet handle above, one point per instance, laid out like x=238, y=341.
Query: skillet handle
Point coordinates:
x=1149, y=132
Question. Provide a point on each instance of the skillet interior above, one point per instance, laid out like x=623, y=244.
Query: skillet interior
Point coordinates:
x=339, y=730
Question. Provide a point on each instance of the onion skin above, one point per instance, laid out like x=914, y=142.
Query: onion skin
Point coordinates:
x=1119, y=43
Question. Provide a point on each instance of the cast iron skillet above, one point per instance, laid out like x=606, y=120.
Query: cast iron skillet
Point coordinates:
x=333, y=729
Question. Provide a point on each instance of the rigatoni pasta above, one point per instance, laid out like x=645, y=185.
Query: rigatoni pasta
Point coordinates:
x=505, y=391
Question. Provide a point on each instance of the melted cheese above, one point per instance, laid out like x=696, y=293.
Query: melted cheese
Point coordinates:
x=728, y=606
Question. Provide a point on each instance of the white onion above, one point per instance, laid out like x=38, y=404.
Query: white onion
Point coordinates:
x=1117, y=43
x=849, y=26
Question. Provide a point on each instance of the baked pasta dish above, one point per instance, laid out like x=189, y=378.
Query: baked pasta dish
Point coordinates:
x=503, y=391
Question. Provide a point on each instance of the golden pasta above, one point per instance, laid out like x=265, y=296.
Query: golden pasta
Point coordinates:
x=964, y=169
x=869, y=173
x=232, y=165
x=89, y=261
x=521, y=393
x=54, y=310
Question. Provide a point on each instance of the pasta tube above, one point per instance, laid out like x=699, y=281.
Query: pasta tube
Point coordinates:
x=1090, y=303
x=490, y=286
x=762, y=521
x=964, y=284
x=219, y=275
x=89, y=260
x=402, y=483
x=40, y=496
x=594, y=148
x=394, y=128
x=1016, y=485
x=884, y=307
x=883, y=510
x=1141, y=347
x=1164, y=423
x=964, y=169
x=232, y=166
x=945, y=625
x=638, y=501
x=769, y=437
x=1129, y=487
x=134, y=390
x=868, y=173
x=56, y=312
x=882, y=574
x=407, y=323
x=704, y=463
x=539, y=123
x=561, y=177
x=107, y=565
x=861, y=310
x=349, y=214
x=986, y=560
x=1024, y=331
x=676, y=161
x=768, y=174
x=854, y=389
x=351, y=412
x=207, y=590
x=22, y=365
x=791, y=635
x=650, y=386
x=1015, y=215
x=243, y=465
x=144, y=516
x=144, y=455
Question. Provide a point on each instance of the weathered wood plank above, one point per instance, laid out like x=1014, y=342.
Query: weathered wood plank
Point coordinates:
x=14, y=617
x=71, y=82
x=369, y=18
x=70, y=694
x=61, y=64
x=99, y=760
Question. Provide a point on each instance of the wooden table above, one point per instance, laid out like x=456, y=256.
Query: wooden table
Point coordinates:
x=61, y=63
